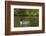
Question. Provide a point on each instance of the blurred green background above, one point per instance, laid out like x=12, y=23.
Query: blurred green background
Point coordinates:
x=31, y=15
